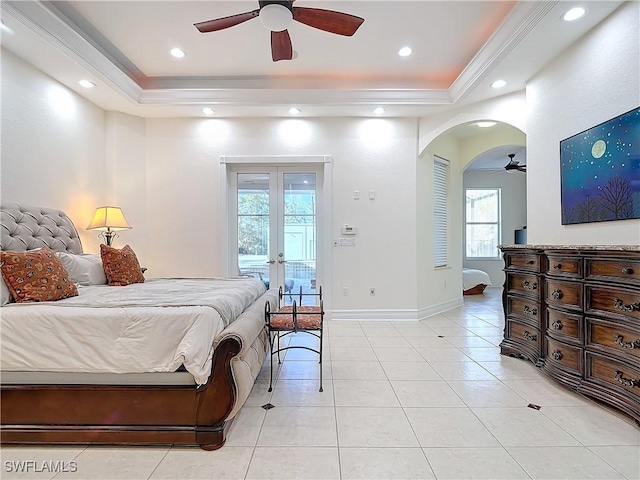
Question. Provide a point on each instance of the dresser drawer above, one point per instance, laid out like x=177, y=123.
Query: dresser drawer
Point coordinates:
x=563, y=325
x=613, y=269
x=564, y=266
x=619, y=375
x=624, y=339
x=525, y=334
x=523, y=261
x=525, y=308
x=564, y=294
x=570, y=357
x=619, y=301
x=523, y=284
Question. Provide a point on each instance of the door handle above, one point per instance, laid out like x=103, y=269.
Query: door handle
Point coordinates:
x=271, y=262
x=280, y=260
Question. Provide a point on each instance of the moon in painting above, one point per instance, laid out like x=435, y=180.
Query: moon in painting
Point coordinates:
x=598, y=149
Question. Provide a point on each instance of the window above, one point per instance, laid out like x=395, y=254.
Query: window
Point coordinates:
x=483, y=222
x=440, y=207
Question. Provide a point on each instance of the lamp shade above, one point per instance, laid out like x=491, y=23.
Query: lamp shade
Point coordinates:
x=108, y=219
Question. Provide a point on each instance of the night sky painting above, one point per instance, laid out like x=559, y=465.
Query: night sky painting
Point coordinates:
x=600, y=172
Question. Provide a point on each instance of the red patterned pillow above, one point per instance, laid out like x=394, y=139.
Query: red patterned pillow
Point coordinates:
x=121, y=266
x=36, y=276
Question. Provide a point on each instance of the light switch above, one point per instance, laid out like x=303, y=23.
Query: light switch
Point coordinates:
x=356, y=194
x=372, y=194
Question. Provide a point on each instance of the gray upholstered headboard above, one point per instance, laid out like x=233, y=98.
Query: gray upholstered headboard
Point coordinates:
x=24, y=228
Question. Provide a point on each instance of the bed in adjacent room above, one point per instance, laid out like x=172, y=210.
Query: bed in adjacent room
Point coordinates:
x=474, y=281
x=160, y=361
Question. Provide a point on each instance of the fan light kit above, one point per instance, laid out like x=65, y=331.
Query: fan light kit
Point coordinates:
x=514, y=164
x=277, y=15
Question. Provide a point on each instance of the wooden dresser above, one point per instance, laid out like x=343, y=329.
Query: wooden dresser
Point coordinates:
x=575, y=312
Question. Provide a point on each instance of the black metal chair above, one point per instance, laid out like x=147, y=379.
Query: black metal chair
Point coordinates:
x=288, y=319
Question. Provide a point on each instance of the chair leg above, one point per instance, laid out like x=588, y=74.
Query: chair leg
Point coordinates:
x=321, y=359
x=270, y=362
x=278, y=334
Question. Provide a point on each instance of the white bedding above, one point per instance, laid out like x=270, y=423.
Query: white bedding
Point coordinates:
x=471, y=278
x=150, y=327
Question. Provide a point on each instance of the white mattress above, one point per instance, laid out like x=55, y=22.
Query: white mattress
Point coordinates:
x=471, y=278
x=174, y=323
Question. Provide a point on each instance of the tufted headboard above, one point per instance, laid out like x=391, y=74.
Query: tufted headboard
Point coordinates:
x=25, y=228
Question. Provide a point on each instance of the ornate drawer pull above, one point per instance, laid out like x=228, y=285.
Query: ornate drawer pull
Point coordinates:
x=529, y=336
x=557, y=325
x=530, y=262
x=619, y=305
x=620, y=341
x=627, y=271
x=557, y=294
x=627, y=382
x=530, y=311
x=557, y=355
x=557, y=266
x=530, y=286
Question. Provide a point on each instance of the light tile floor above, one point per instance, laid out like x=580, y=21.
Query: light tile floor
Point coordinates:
x=424, y=400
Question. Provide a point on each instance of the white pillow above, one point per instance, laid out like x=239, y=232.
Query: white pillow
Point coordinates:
x=84, y=269
x=6, y=294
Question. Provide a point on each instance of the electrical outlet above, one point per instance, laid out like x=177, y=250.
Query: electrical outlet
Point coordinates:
x=345, y=291
x=372, y=291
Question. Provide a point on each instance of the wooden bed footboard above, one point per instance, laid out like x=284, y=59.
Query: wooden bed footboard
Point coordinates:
x=124, y=414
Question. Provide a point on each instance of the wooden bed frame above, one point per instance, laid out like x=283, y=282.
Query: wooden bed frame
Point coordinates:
x=477, y=290
x=113, y=414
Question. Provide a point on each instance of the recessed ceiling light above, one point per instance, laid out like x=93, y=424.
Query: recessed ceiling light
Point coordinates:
x=379, y=111
x=405, y=51
x=294, y=111
x=498, y=84
x=208, y=111
x=574, y=14
x=486, y=124
x=86, y=83
x=177, y=53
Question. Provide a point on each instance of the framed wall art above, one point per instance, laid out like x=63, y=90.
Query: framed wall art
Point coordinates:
x=600, y=172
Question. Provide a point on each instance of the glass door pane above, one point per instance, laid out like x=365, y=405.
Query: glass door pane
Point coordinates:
x=253, y=225
x=299, y=234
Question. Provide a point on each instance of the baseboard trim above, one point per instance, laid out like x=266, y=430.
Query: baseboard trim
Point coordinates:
x=406, y=315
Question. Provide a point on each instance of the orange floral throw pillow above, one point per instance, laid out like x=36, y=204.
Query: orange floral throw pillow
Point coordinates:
x=121, y=266
x=36, y=276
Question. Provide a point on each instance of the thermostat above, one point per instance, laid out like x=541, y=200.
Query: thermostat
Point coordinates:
x=349, y=230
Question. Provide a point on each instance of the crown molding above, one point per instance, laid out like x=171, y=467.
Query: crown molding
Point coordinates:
x=52, y=28
x=518, y=24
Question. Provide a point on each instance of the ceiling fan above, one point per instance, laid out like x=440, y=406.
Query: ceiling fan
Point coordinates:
x=276, y=15
x=514, y=164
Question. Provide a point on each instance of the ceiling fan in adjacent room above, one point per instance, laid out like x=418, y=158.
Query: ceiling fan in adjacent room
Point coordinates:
x=276, y=15
x=514, y=164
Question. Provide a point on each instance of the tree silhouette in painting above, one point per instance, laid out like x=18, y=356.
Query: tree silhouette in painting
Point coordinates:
x=589, y=210
x=616, y=198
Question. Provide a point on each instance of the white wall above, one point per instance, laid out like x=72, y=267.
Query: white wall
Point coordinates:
x=184, y=222
x=596, y=79
x=53, y=145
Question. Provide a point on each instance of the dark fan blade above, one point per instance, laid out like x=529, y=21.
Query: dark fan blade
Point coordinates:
x=328, y=20
x=281, y=48
x=226, y=22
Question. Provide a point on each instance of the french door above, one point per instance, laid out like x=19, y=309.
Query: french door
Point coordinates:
x=275, y=224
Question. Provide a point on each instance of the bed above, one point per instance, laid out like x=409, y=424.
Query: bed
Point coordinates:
x=474, y=281
x=74, y=391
